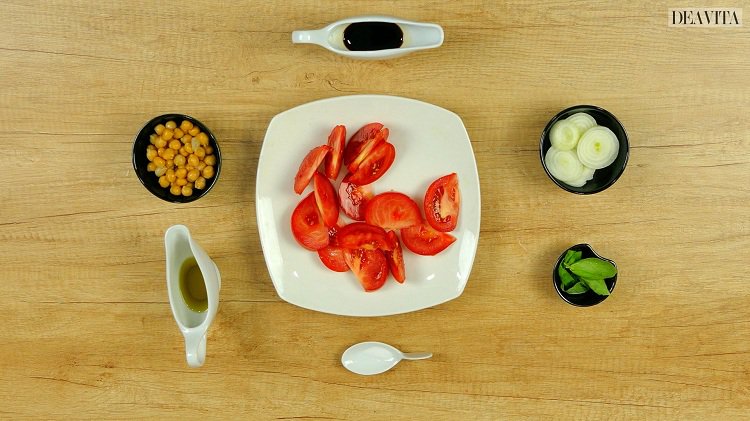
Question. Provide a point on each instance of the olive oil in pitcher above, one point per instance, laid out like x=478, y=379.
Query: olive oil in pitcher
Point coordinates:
x=192, y=286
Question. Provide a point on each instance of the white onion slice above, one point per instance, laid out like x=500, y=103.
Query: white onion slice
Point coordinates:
x=583, y=121
x=564, y=135
x=598, y=147
x=563, y=165
x=588, y=174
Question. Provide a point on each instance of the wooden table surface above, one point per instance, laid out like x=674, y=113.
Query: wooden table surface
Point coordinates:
x=87, y=328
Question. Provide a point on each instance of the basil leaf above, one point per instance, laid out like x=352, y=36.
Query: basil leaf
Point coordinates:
x=566, y=279
x=593, y=268
x=571, y=257
x=596, y=285
x=578, y=288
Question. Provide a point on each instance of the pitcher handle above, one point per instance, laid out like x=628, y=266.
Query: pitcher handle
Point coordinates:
x=195, y=350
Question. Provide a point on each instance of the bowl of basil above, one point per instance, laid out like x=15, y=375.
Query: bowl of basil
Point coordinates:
x=583, y=278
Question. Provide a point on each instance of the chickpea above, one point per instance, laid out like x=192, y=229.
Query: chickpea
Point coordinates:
x=181, y=182
x=160, y=152
x=194, y=131
x=167, y=135
x=168, y=154
x=175, y=190
x=210, y=160
x=163, y=181
x=151, y=167
x=159, y=129
x=209, y=150
x=201, y=166
x=160, y=143
x=171, y=177
x=159, y=162
x=181, y=173
x=160, y=171
x=200, y=183
x=175, y=144
x=183, y=151
x=187, y=190
x=178, y=133
x=186, y=139
x=193, y=175
x=180, y=160
x=208, y=172
x=170, y=163
x=151, y=154
x=186, y=125
x=189, y=167
x=171, y=125
x=203, y=139
x=193, y=160
x=200, y=152
x=188, y=148
x=152, y=139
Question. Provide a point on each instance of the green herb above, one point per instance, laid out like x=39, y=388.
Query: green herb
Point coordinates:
x=578, y=276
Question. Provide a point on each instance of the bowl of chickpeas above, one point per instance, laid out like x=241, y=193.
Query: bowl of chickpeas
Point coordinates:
x=176, y=158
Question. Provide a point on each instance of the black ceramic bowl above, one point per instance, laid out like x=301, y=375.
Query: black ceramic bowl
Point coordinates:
x=589, y=298
x=149, y=179
x=604, y=177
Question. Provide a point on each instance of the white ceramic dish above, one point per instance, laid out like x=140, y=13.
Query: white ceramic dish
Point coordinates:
x=430, y=142
x=417, y=36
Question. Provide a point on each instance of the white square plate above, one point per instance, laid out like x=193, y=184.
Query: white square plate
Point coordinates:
x=430, y=142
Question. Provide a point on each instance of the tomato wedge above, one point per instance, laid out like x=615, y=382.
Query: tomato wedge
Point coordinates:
x=369, y=145
x=307, y=225
x=375, y=164
x=336, y=141
x=370, y=267
x=425, y=240
x=353, y=199
x=358, y=139
x=392, y=210
x=395, y=259
x=308, y=166
x=359, y=235
x=325, y=198
x=442, y=202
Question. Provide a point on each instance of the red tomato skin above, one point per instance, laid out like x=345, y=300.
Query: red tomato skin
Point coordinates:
x=358, y=139
x=307, y=225
x=333, y=161
x=353, y=199
x=395, y=259
x=392, y=210
x=309, y=165
x=369, y=266
x=325, y=198
x=442, y=202
x=424, y=240
x=375, y=164
x=333, y=258
x=360, y=235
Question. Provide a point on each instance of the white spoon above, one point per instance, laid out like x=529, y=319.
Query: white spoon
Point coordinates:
x=368, y=358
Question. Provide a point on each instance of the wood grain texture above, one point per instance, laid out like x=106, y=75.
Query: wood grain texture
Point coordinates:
x=88, y=331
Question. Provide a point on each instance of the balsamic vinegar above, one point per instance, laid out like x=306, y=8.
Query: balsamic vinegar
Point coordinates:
x=372, y=36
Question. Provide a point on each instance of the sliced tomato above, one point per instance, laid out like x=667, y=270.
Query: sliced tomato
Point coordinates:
x=368, y=147
x=442, y=202
x=392, y=210
x=375, y=164
x=395, y=259
x=358, y=139
x=307, y=225
x=336, y=141
x=325, y=197
x=370, y=267
x=333, y=258
x=425, y=240
x=353, y=199
x=308, y=167
x=359, y=235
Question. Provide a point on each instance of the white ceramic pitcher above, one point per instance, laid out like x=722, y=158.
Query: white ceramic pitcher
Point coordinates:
x=180, y=247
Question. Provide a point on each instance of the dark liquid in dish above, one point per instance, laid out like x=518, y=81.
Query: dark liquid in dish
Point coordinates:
x=372, y=36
